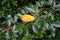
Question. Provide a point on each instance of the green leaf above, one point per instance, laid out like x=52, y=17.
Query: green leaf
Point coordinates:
x=56, y=24
x=37, y=32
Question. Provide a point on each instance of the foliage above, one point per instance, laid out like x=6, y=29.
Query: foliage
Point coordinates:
x=46, y=25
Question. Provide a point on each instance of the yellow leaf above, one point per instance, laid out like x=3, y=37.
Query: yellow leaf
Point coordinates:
x=14, y=27
x=27, y=18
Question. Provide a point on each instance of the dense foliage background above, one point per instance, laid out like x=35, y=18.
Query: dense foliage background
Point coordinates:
x=45, y=27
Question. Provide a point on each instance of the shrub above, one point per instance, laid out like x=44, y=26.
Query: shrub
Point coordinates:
x=29, y=19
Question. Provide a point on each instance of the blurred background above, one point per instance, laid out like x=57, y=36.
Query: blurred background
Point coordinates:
x=46, y=25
